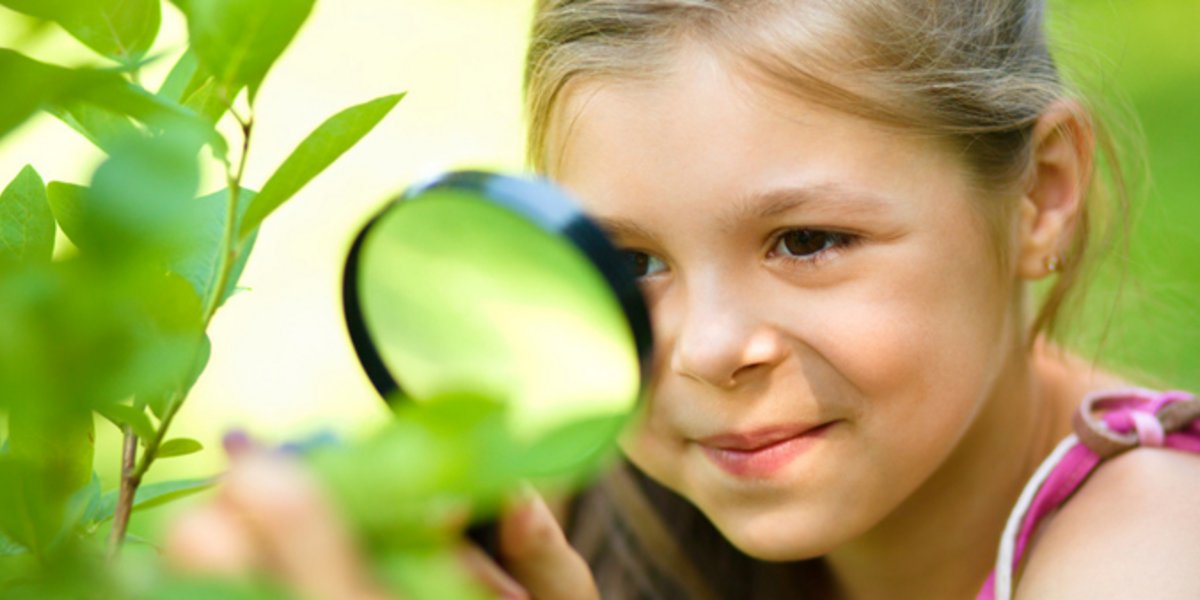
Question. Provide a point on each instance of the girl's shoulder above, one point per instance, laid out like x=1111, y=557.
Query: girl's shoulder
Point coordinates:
x=1131, y=529
x=1130, y=532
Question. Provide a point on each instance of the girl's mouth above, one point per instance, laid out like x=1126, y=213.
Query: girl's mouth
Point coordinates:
x=760, y=453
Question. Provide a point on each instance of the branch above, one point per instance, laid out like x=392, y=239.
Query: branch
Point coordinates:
x=129, y=484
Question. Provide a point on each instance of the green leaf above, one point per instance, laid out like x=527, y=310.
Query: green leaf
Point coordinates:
x=66, y=202
x=179, y=447
x=39, y=83
x=239, y=40
x=199, y=263
x=156, y=494
x=179, y=80
x=43, y=84
x=26, y=222
x=323, y=146
x=124, y=414
x=101, y=127
x=159, y=403
x=120, y=29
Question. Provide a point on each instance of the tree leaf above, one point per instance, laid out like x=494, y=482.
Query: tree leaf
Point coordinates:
x=66, y=202
x=124, y=414
x=44, y=84
x=156, y=494
x=323, y=146
x=26, y=222
x=180, y=79
x=120, y=29
x=179, y=447
x=199, y=263
x=159, y=403
x=238, y=40
x=101, y=127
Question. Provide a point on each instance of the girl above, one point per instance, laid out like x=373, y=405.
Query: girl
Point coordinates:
x=835, y=209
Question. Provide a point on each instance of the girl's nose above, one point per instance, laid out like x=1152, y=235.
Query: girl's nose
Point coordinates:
x=725, y=339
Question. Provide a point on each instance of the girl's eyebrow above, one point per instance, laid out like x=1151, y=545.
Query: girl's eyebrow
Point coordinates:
x=621, y=228
x=830, y=197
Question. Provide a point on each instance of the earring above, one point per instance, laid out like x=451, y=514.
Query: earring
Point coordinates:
x=1053, y=263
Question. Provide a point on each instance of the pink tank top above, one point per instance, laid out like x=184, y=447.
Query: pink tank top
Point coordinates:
x=1107, y=424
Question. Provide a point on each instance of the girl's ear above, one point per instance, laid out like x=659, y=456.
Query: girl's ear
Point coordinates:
x=1060, y=169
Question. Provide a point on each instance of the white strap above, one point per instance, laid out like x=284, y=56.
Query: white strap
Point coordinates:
x=1008, y=542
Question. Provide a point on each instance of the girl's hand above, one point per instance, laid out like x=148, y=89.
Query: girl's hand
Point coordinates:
x=270, y=515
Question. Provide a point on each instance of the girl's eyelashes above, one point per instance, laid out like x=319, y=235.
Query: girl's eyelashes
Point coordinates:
x=811, y=246
x=808, y=247
x=643, y=264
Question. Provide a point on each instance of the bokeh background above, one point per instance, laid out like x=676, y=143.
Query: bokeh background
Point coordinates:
x=282, y=364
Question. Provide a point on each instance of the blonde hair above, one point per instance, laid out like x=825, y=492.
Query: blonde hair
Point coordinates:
x=976, y=73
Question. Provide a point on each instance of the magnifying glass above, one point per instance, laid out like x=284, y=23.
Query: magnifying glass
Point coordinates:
x=497, y=286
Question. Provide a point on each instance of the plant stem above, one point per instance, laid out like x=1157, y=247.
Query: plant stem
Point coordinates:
x=229, y=245
x=129, y=484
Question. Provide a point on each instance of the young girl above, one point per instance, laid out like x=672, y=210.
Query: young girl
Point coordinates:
x=836, y=209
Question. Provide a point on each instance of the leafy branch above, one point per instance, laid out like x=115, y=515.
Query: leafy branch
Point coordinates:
x=156, y=261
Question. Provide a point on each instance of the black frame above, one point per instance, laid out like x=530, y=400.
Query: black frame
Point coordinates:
x=538, y=202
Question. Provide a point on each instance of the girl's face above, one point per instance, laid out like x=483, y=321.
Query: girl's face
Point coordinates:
x=828, y=307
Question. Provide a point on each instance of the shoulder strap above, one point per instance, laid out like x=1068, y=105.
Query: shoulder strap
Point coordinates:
x=1107, y=424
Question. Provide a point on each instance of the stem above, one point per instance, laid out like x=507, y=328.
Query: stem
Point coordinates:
x=229, y=246
x=129, y=484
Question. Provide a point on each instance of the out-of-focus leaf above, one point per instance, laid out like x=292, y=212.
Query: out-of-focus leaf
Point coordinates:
x=323, y=146
x=120, y=29
x=206, y=101
x=39, y=83
x=44, y=84
x=199, y=263
x=574, y=449
x=159, y=403
x=30, y=513
x=83, y=506
x=66, y=202
x=238, y=40
x=10, y=548
x=156, y=494
x=140, y=199
x=180, y=78
x=430, y=573
x=123, y=414
x=179, y=447
x=26, y=223
x=56, y=439
x=101, y=127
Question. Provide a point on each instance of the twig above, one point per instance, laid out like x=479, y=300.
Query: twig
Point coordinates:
x=129, y=484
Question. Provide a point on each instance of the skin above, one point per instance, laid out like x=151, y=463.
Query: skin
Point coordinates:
x=908, y=342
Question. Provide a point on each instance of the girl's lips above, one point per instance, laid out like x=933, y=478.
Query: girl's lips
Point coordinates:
x=760, y=454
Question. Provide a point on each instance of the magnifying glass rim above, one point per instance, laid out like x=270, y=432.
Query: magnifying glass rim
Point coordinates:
x=540, y=203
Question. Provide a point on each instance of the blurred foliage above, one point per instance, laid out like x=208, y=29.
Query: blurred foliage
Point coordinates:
x=1140, y=63
x=115, y=325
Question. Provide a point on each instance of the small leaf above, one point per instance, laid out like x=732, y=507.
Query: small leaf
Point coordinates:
x=239, y=40
x=179, y=447
x=323, y=146
x=198, y=263
x=120, y=29
x=123, y=414
x=156, y=494
x=101, y=127
x=159, y=403
x=176, y=85
x=26, y=222
x=66, y=202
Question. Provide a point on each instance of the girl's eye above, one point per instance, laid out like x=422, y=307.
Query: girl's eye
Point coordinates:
x=810, y=244
x=643, y=264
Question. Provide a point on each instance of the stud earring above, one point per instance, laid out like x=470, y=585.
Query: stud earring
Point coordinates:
x=1053, y=263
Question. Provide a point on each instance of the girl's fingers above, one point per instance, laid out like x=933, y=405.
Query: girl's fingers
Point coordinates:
x=488, y=573
x=536, y=552
x=210, y=541
x=295, y=527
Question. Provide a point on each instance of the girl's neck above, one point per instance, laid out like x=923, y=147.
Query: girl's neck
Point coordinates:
x=941, y=542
